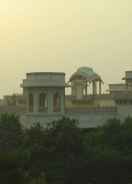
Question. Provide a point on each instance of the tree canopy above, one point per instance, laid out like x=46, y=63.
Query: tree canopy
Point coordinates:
x=64, y=153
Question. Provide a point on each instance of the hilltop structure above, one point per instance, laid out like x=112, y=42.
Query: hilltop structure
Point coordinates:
x=46, y=99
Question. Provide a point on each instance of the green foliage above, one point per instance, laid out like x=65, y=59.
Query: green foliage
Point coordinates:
x=10, y=132
x=37, y=155
x=111, y=141
x=64, y=136
x=64, y=146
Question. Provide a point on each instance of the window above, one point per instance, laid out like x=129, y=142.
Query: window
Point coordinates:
x=31, y=102
x=43, y=103
x=56, y=102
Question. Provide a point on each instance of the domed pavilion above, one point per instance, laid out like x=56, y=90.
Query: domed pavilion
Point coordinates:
x=85, y=81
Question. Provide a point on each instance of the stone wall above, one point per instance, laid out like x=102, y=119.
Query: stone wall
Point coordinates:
x=86, y=120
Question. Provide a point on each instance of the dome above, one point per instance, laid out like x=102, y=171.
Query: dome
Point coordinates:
x=85, y=73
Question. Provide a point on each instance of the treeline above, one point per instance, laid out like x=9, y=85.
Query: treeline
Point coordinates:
x=64, y=153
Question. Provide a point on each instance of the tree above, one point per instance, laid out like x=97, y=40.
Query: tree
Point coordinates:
x=65, y=137
x=64, y=147
x=11, y=132
x=34, y=147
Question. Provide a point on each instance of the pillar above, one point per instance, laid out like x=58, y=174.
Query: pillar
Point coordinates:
x=27, y=102
x=94, y=88
x=29, y=106
x=62, y=103
x=79, y=91
x=100, y=87
x=50, y=102
x=73, y=89
x=86, y=90
x=36, y=102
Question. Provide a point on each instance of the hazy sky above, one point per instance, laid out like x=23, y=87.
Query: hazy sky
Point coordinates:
x=62, y=35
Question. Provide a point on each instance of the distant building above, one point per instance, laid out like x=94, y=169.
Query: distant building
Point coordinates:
x=13, y=104
x=46, y=99
x=14, y=100
x=122, y=93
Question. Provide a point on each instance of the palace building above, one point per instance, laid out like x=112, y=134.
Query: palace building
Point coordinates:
x=46, y=99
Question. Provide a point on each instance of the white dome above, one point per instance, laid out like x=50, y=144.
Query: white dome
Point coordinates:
x=86, y=73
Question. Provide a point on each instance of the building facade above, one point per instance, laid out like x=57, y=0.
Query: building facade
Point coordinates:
x=45, y=97
x=47, y=101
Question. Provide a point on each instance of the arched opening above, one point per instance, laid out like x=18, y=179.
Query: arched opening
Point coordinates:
x=56, y=103
x=31, y=102
x=43, y=102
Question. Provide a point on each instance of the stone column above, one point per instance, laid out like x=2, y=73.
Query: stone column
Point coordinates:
x=26, y=96
x=79, y=91
x=86, y=90
x=50, y=102
x=28, y=105
x=94, y=88
x=27, y=102
x=62, y=103
x=36, y=102
x=100, y=87
x=73, y=89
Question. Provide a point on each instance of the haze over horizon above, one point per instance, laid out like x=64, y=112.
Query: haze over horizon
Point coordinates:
x=62, y=35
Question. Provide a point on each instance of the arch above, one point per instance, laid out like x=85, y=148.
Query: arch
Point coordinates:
x=56, y=102
x=43, y=102
x=31, y=102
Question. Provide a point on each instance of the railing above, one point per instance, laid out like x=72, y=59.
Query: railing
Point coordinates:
x=89, y=97
x=92, y=109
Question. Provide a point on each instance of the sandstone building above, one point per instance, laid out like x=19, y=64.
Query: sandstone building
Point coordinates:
x=46, y=99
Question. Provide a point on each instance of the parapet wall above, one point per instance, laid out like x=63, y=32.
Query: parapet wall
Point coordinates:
x=86, y=120
x=45, y=79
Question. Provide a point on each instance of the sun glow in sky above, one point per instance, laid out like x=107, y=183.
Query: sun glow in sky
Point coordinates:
x=62, y=35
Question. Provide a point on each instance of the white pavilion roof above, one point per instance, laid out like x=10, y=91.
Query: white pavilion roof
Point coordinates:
x=85, y=73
